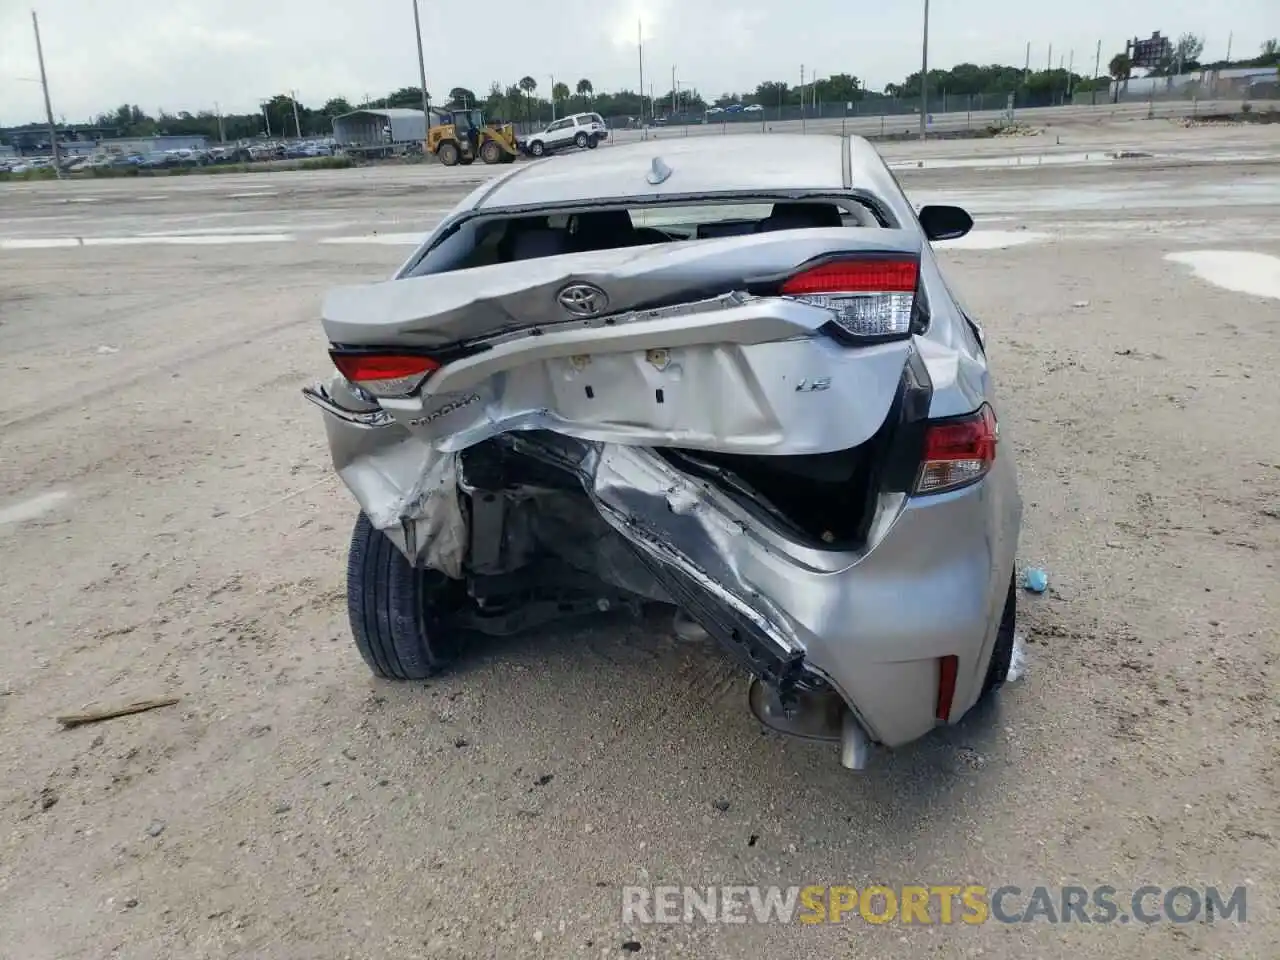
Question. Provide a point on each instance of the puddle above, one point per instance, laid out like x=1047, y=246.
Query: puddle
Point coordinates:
x=992, y=240
x=1014, y=160
x=1240, y=271
x=39, y=243
x=1150, y=195
x=188, y=240
x=410, y=239
x=32, y=508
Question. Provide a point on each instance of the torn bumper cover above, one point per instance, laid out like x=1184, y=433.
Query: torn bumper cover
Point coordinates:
x=928, y=583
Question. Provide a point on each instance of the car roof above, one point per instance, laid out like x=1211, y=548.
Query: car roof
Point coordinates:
x=742, y=163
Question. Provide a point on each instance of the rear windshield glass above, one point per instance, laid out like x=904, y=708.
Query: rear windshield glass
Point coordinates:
x=490, y=240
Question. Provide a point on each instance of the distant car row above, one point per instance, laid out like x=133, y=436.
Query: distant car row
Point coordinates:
x=733, y=108
x=164, y=159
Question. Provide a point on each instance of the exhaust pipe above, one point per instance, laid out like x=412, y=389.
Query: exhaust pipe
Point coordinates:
x=813, y=715
x=855, y=745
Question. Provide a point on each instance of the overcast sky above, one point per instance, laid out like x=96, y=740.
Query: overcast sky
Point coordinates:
x=184, y=55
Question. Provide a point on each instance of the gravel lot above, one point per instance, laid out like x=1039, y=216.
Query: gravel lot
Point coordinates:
x=169, y=525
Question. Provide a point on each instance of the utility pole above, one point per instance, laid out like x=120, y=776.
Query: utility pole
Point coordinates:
x=222, y=135
x=802, y=98
x=924, y=75
x=1026, y=70
x=553, y=96
x=1049, y=66
x=673, y=90
x=297, y=124
x=422, y=78
x=48, y=107
x=266, y=117
x=1230, y=36
x=640, y=49
x=1097, y=65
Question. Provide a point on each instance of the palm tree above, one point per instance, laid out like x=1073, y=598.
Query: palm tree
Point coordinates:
x=528, y=85
x=1119, y=68
x=585, y=90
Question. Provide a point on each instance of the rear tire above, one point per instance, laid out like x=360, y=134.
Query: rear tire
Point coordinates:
x=1002, y=652
x=395, y=609
x=447, y=153
x=580, y=141
x=537, y=148
x=490, y=152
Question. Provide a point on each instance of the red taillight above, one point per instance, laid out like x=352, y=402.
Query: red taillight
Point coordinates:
x=871, y=297
x=948, y=667
x=958, y=452
x=384, y=374
x=855, y=276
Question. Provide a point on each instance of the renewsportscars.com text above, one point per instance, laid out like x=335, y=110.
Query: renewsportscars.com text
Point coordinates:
x=942, y=904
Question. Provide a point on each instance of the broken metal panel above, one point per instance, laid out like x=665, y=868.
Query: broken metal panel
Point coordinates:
x=408, y=490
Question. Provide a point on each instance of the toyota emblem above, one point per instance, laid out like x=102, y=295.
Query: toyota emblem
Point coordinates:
x=583, y=300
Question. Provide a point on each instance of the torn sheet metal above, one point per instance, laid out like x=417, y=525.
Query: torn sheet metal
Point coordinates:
x=407, y=488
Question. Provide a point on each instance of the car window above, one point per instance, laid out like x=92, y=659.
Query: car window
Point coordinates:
x=556, y=231
x=559, y=125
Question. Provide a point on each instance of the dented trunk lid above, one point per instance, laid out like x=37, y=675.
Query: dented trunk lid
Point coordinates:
x=446, y=308
x=680, y=357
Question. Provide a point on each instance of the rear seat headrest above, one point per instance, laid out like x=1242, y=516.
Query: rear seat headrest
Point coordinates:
x=800, y=216
x=539, y=242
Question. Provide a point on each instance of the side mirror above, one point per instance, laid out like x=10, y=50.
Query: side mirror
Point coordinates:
x=945, y=223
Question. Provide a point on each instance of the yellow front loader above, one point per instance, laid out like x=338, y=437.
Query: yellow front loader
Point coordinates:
x=468, y=137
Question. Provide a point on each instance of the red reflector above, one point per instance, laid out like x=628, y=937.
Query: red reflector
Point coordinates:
x=948, y=667
x=969, y=439
x=855, y=276
x=365, y=367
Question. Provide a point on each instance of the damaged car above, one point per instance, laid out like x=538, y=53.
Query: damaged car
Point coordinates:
x=730, y=380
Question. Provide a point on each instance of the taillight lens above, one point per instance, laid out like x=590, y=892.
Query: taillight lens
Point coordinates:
x=872, y=298
x=384, y=374
x=958, y=452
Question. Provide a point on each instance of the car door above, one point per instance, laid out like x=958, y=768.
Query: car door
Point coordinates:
x=560, y=133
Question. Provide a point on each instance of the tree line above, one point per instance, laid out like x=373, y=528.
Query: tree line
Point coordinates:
x=525, y=101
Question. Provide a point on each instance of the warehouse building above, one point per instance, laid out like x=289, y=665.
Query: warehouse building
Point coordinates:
x=385, y=128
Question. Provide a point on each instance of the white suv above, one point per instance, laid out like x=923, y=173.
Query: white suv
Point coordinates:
x=579, y=130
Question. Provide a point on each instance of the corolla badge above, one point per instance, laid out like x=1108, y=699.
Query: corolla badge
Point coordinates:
x=583, y=300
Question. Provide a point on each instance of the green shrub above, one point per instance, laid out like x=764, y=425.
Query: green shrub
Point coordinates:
x=326, y=163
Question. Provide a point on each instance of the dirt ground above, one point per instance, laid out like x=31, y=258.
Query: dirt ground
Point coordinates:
x=169, y=524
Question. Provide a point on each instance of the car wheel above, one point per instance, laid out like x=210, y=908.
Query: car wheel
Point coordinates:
x=1002, y=652
x=395, y=609
x=537, y=148
x=593, y=142
x=447, y=154
x=490, y=152
x=580, y=140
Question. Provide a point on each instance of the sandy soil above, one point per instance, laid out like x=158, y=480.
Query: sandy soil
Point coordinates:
x=169, y=525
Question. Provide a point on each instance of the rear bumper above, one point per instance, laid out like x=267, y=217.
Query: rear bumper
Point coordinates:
x=931, y=583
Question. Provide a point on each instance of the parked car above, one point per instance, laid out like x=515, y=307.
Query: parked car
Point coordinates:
x=732, y=382
x=753, y=108
x=582, y=130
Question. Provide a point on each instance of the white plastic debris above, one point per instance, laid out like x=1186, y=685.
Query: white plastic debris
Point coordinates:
x=104, y=349
x=1018, y=665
